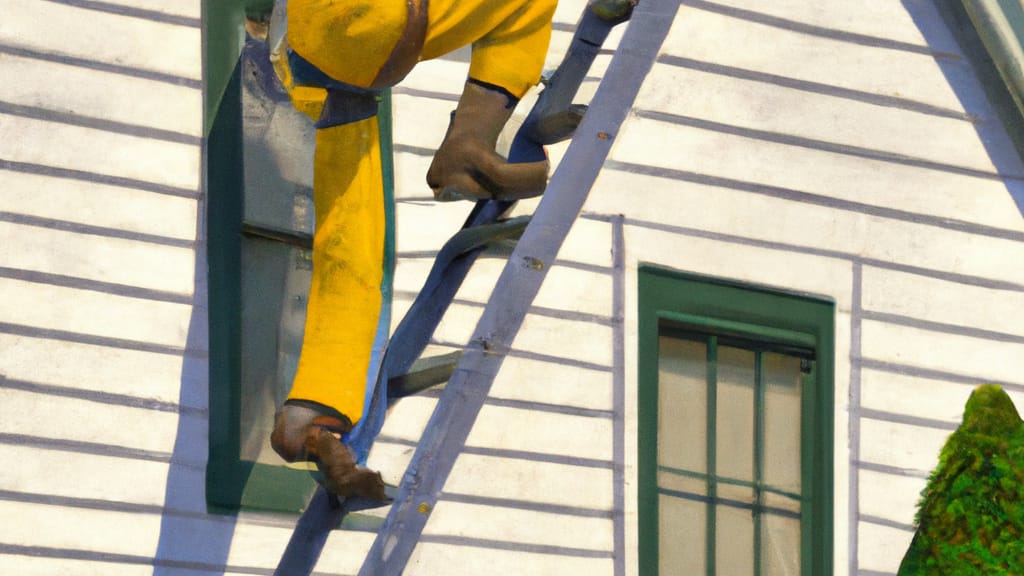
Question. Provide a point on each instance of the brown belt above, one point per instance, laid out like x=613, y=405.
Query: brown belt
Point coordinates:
x=407, y=52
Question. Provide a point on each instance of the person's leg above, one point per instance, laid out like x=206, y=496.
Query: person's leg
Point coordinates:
x=345, y=300
x=348, y=250
x=330, y=387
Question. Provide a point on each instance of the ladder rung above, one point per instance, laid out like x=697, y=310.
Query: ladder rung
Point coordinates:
x=425, y=373
x=473, y=237
x=558, y=126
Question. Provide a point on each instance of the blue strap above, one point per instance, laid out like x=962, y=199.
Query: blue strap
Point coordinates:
x=305, y=73
x=345, y=103
x=346, y=107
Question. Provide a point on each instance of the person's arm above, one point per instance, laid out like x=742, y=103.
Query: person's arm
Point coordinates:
x=466, y=167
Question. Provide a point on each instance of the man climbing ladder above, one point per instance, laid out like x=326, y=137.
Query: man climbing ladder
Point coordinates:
x=338, y=55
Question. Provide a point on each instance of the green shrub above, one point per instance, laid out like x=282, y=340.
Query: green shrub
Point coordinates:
x=970, y=519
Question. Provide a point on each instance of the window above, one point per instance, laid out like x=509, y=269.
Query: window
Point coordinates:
x=260, y=226
x=735, y=443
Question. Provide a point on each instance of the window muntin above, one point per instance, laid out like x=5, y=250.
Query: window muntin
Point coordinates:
x=729, y=446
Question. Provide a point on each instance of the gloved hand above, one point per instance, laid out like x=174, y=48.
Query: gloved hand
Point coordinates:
x=466, y=167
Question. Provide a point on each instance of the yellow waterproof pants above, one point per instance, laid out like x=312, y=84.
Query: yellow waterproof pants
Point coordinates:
x=350, y=41
x=348, y=251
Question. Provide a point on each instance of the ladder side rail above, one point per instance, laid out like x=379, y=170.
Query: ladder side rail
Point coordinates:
x=462, y=399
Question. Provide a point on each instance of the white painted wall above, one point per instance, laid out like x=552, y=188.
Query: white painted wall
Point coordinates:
x=103, y=347
x=821, y=148
x=829, y=148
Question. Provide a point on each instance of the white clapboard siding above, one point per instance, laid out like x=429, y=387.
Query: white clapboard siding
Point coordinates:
x=896, y=496
x=127, y=262
x=148, y=375
x=854, y=160
x=897, y=293
x=172, y=10
x=96, y=313
x=537, y=474
x=162, y=162
x=583, y=387
x=543, y=432
x=103, y=369
x=431, y=558
x=56, y=418
x=102, y=207
x=533, y=483
x=142, y=103
x=768, y=265
x=170, y=48
x=836, y=149
x=879, y=544
x=514, y=526
x=43, y=566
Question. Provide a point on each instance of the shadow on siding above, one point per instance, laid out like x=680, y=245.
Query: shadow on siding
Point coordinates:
x=1004, y=148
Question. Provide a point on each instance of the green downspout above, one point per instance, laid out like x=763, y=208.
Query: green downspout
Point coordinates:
x=1000, y=24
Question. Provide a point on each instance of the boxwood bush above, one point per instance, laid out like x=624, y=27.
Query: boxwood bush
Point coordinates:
x=970, y=518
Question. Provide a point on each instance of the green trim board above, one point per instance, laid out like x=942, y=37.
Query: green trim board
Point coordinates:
x=234, y=481
x=223, y=38
x=721, y=313
x=224, y=215
x=223, y=35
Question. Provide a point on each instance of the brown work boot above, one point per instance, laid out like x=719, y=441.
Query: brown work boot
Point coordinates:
x=342, y=475
x=302, y=433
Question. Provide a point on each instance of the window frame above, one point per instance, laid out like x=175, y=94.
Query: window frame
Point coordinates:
x=723, y=308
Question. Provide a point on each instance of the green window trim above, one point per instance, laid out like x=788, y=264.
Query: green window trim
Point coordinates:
x=234, y=482
x=714, y=310
x=223, y=37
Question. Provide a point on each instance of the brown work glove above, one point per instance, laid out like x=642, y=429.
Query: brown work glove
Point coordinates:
x=466, y=167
